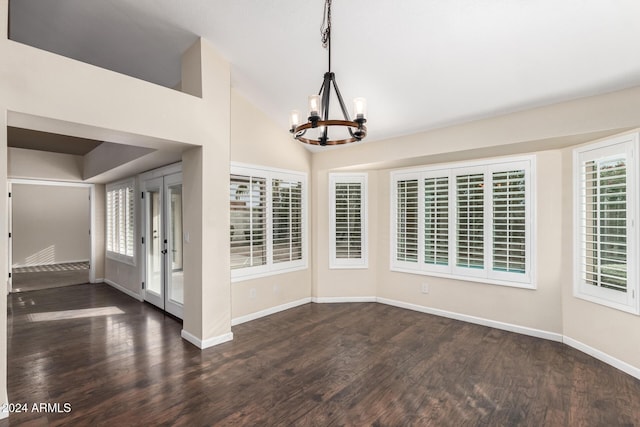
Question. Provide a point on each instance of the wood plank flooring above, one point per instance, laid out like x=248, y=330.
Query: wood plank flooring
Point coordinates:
x=120, y=362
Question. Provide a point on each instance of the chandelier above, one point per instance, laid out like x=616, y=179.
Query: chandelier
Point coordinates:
x=318, y=121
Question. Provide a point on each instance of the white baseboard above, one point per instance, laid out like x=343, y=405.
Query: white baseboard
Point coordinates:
x=209, y=342
x=331, y=300
x=551, y=336
x=268, y=311
x=604, y=357
x=123, y=289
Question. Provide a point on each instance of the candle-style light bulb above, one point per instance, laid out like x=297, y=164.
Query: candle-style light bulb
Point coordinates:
x=294, y=119
x=314, y=106
x=360, y=108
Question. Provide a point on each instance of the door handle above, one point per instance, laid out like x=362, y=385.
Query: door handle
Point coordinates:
x=164, y=251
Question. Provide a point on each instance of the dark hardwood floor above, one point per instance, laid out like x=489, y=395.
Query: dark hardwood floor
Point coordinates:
x=118, y=362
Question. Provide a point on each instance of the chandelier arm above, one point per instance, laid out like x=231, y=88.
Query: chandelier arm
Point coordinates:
x=326, y=92
x=345, y=113
x=321, y=88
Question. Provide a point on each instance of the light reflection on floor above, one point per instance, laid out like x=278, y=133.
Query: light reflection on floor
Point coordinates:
x=74, y=314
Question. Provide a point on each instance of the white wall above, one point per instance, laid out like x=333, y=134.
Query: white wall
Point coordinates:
x=50, y=224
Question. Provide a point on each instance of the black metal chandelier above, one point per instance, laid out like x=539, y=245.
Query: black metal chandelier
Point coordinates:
x=319, y=105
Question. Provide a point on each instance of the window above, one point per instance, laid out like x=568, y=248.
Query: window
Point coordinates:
x=470, y=221
x=120, y=234
x=268, y=221
x=605, y=208
x=348, y=221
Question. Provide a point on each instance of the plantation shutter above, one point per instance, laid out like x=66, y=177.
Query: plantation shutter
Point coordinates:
x=509, y=220
x=436, y=221
x=130, y=221
x=287, y=220
x=407, y=220
x=120, y=220
x=470, y=221
x=110, y=221
x=603, y=213
x=348, y=220
x=247, y=200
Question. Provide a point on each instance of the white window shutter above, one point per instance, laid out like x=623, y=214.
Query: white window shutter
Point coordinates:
x=348, y=220
x=509, y=221
x=436, y=221
x=470, y=221
x=247, y=199
x=120, y=221
x=287, y=220
x=407, y=217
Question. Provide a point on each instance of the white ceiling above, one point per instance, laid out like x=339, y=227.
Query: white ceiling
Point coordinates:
x=421, y=64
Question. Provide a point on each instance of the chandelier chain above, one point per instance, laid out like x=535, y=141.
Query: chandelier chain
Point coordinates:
x=325, y=28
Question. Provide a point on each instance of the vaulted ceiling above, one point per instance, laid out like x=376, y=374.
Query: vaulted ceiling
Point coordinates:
x=421, y=64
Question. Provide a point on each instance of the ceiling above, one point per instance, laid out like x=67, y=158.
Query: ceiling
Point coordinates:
x=421, y=64
x=44, y=141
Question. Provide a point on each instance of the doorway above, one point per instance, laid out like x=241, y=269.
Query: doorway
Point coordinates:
x=49, y=234
x=162, y=242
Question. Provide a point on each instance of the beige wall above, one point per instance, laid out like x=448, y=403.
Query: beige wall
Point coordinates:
x=50, y=224
x=207, y=291
x=537, y=309
x=329, y=283
x=98, y=229
x=33, y=164
x=256, y=140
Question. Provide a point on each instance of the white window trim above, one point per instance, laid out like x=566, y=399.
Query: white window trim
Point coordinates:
x=125, y=259
x=602, y=296
x=451, y=170
x=270, y=268
x=342, y=263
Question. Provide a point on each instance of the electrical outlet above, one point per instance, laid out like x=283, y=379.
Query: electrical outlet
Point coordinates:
x=252, y=293
x=424, y=288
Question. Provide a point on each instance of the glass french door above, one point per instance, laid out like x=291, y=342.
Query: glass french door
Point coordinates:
x=162, y=233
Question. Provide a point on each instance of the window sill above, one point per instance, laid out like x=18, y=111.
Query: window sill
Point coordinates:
x=258, y=275
x=129, y=260
x=348, y=267
x=484, y=280
x=606, y=303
